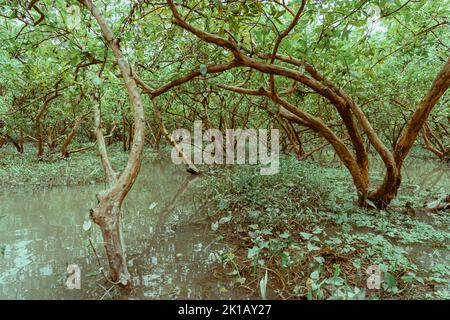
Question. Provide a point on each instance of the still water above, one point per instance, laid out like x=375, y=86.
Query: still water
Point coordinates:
x=171, y=251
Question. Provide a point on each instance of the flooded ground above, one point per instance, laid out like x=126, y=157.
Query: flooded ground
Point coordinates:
x=171, y=251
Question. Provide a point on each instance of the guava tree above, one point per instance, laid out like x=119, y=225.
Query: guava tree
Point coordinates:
x=342, y=31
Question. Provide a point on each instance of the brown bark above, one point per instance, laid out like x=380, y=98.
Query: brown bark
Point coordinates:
x=391, y=183
x=17, y=144
x=38, y=126
x=346, y=108
x=294, y=139
x=111, y=134
x=439, y=150
x=81, y=149
x=38, y=117
x=124, y=134
x=292, y=113
x=108, y=210
x=311, y=152
x=65, y=147
x=359, y=167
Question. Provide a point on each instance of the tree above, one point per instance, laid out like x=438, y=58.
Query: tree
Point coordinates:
x=108, y=211
x=347, y=108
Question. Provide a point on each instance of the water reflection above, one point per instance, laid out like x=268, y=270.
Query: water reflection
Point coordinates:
x=41, y=233
x=170, y=254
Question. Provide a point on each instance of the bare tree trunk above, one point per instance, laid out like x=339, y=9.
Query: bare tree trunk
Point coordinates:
x=37, y=119
x=124, y=130
x=294, y=139
x=16, y=144
x=65, y=147
x=438, y=149
x=21, y=139
x=108, y=210
x=111, y=134
x=191, y=168
x=39, y=137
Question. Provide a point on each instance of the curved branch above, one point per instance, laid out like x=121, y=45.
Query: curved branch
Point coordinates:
x=317, y=125
x=181, y=80
x=208, y=37
x=281, y=37
x=438, y=88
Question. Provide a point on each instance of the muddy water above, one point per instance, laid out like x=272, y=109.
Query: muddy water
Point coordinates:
x=171, y=251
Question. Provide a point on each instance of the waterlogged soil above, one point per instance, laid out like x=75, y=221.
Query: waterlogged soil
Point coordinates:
x=171, y=250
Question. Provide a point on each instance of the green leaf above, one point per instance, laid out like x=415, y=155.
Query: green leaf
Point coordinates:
x=389, y=280
x=97, y=81
x=253, y=252
x=317, y=230
x=306, y=235
x=312, y=247
x=315, y=275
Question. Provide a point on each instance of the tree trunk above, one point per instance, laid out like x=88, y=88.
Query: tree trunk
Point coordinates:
x=107, y=217
x=438, y=149
x=124, y=131
x=107, y=212
x=294, y=139
x=37, y=119
x=39, y=138
x=191, y=168
x=21, y=139
x=391, y=183
x=17, y=144
x=65, y=146
x=358, y=165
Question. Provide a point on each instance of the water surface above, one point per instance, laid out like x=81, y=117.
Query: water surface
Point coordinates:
x=171, y=250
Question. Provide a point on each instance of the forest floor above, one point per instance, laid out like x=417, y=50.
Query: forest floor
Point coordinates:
x=296, y=234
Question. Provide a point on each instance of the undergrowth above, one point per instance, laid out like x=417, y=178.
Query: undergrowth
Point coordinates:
x=79, y=169
x=298, y=234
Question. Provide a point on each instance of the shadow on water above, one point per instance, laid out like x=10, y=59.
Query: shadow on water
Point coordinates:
x=171, y=250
